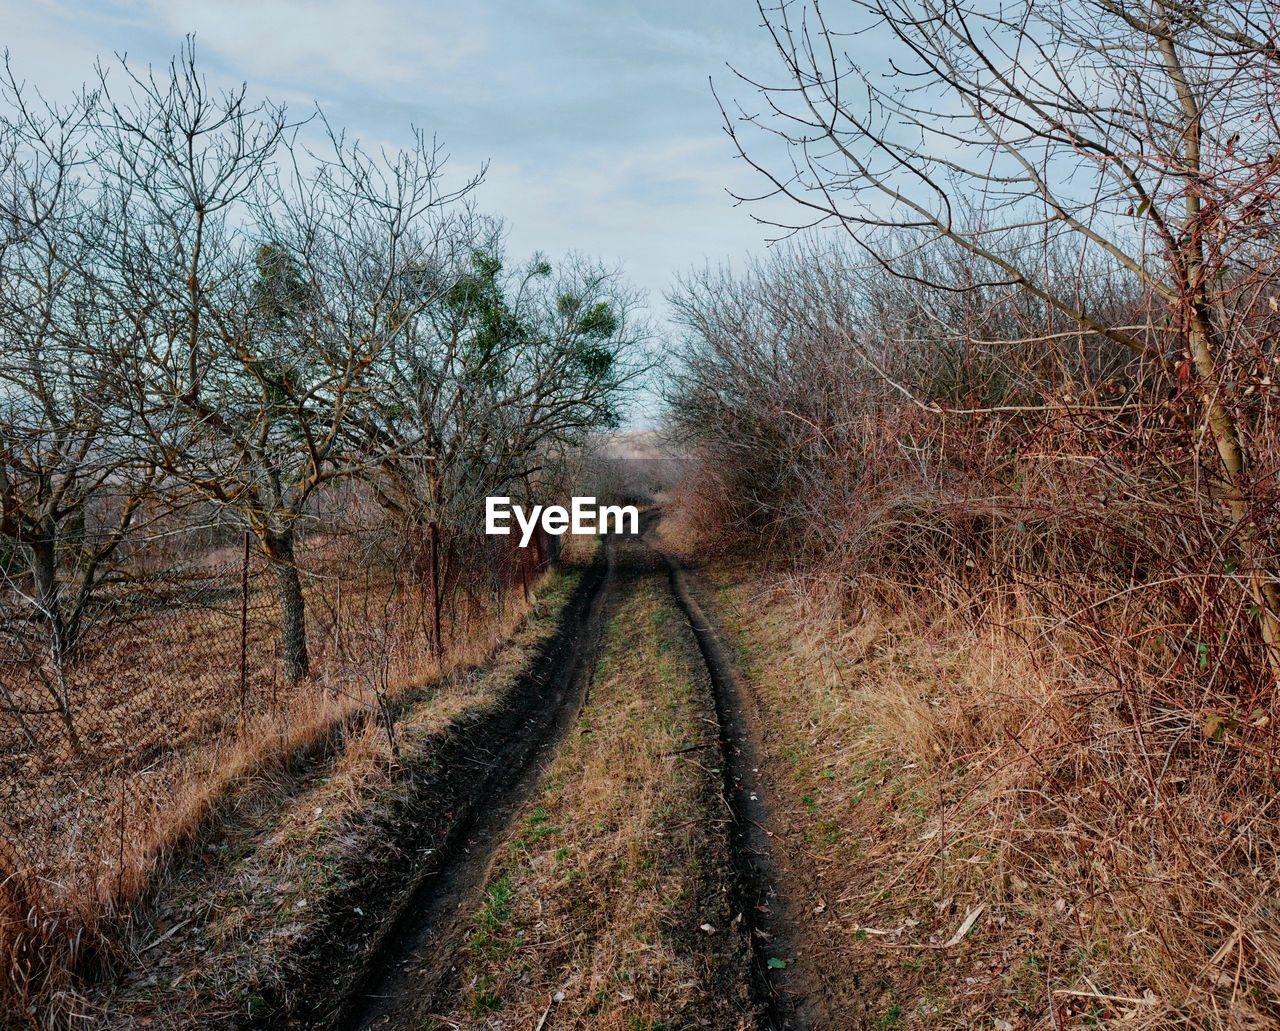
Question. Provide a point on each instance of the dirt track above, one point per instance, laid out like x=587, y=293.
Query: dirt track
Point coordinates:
x=491, y=769
x=413, y=954
x=762, y=896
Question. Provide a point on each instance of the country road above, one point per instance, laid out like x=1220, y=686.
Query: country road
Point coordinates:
x=413, y=974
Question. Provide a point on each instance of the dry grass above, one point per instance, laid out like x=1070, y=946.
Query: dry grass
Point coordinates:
x=933, y=759
x=608, y=911
x=221, y=927
x=158, y=711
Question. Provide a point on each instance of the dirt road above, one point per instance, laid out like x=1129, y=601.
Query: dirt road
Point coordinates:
x=724, y=920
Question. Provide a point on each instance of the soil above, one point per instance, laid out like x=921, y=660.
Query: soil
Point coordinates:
x=779, y=969
x=615, y=901
x=490, y=776
x=825, y=984
x=440, y=843
x=386, y=943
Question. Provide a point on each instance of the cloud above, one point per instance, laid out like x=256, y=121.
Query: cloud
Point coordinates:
x=657, y=207
x=597, y=120
x=370, y=43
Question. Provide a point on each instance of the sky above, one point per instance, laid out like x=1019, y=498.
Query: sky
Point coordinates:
x=596, y=119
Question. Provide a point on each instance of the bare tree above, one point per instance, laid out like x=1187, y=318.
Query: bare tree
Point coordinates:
x=1136, y=134
x=497, y=376
x=73, y=479
x=266, y=281
x=202, y=308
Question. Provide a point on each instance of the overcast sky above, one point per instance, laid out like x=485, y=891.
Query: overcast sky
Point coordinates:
x=596, y=118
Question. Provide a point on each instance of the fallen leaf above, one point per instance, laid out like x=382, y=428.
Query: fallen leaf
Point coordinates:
x=965, y=926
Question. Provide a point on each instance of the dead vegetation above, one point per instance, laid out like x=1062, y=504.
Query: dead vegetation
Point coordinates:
x=211, y=343
x=220, y=930
x=167, y=737
x=1001, y=453
x=989, y=841
x=993, y=693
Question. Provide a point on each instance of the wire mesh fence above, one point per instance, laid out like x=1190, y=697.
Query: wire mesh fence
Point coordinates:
x=106, y=756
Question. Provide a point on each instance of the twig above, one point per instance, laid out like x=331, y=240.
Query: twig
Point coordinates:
x=694, y=762
x=691, y=748
x=1101, y=995
x=543, y=945
x=167, y=934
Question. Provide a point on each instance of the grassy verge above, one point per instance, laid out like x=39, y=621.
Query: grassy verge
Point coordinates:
x=221, y=927
x=609, y=908
x=925, y=780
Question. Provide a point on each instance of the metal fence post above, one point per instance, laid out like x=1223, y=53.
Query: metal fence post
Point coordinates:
x=120, y=845
x=244, y=625
x=437, y=643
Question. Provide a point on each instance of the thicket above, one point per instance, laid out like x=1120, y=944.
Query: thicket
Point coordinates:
x=1017, y=375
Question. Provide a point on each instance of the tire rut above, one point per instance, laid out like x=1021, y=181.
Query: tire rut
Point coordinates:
x=409, y=965
x=777, y=978
x=491, y=768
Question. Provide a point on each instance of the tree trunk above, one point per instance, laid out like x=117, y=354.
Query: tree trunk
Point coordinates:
x=1226, y=433
x=44, y=572
x=437, y=642
x=293, y=612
